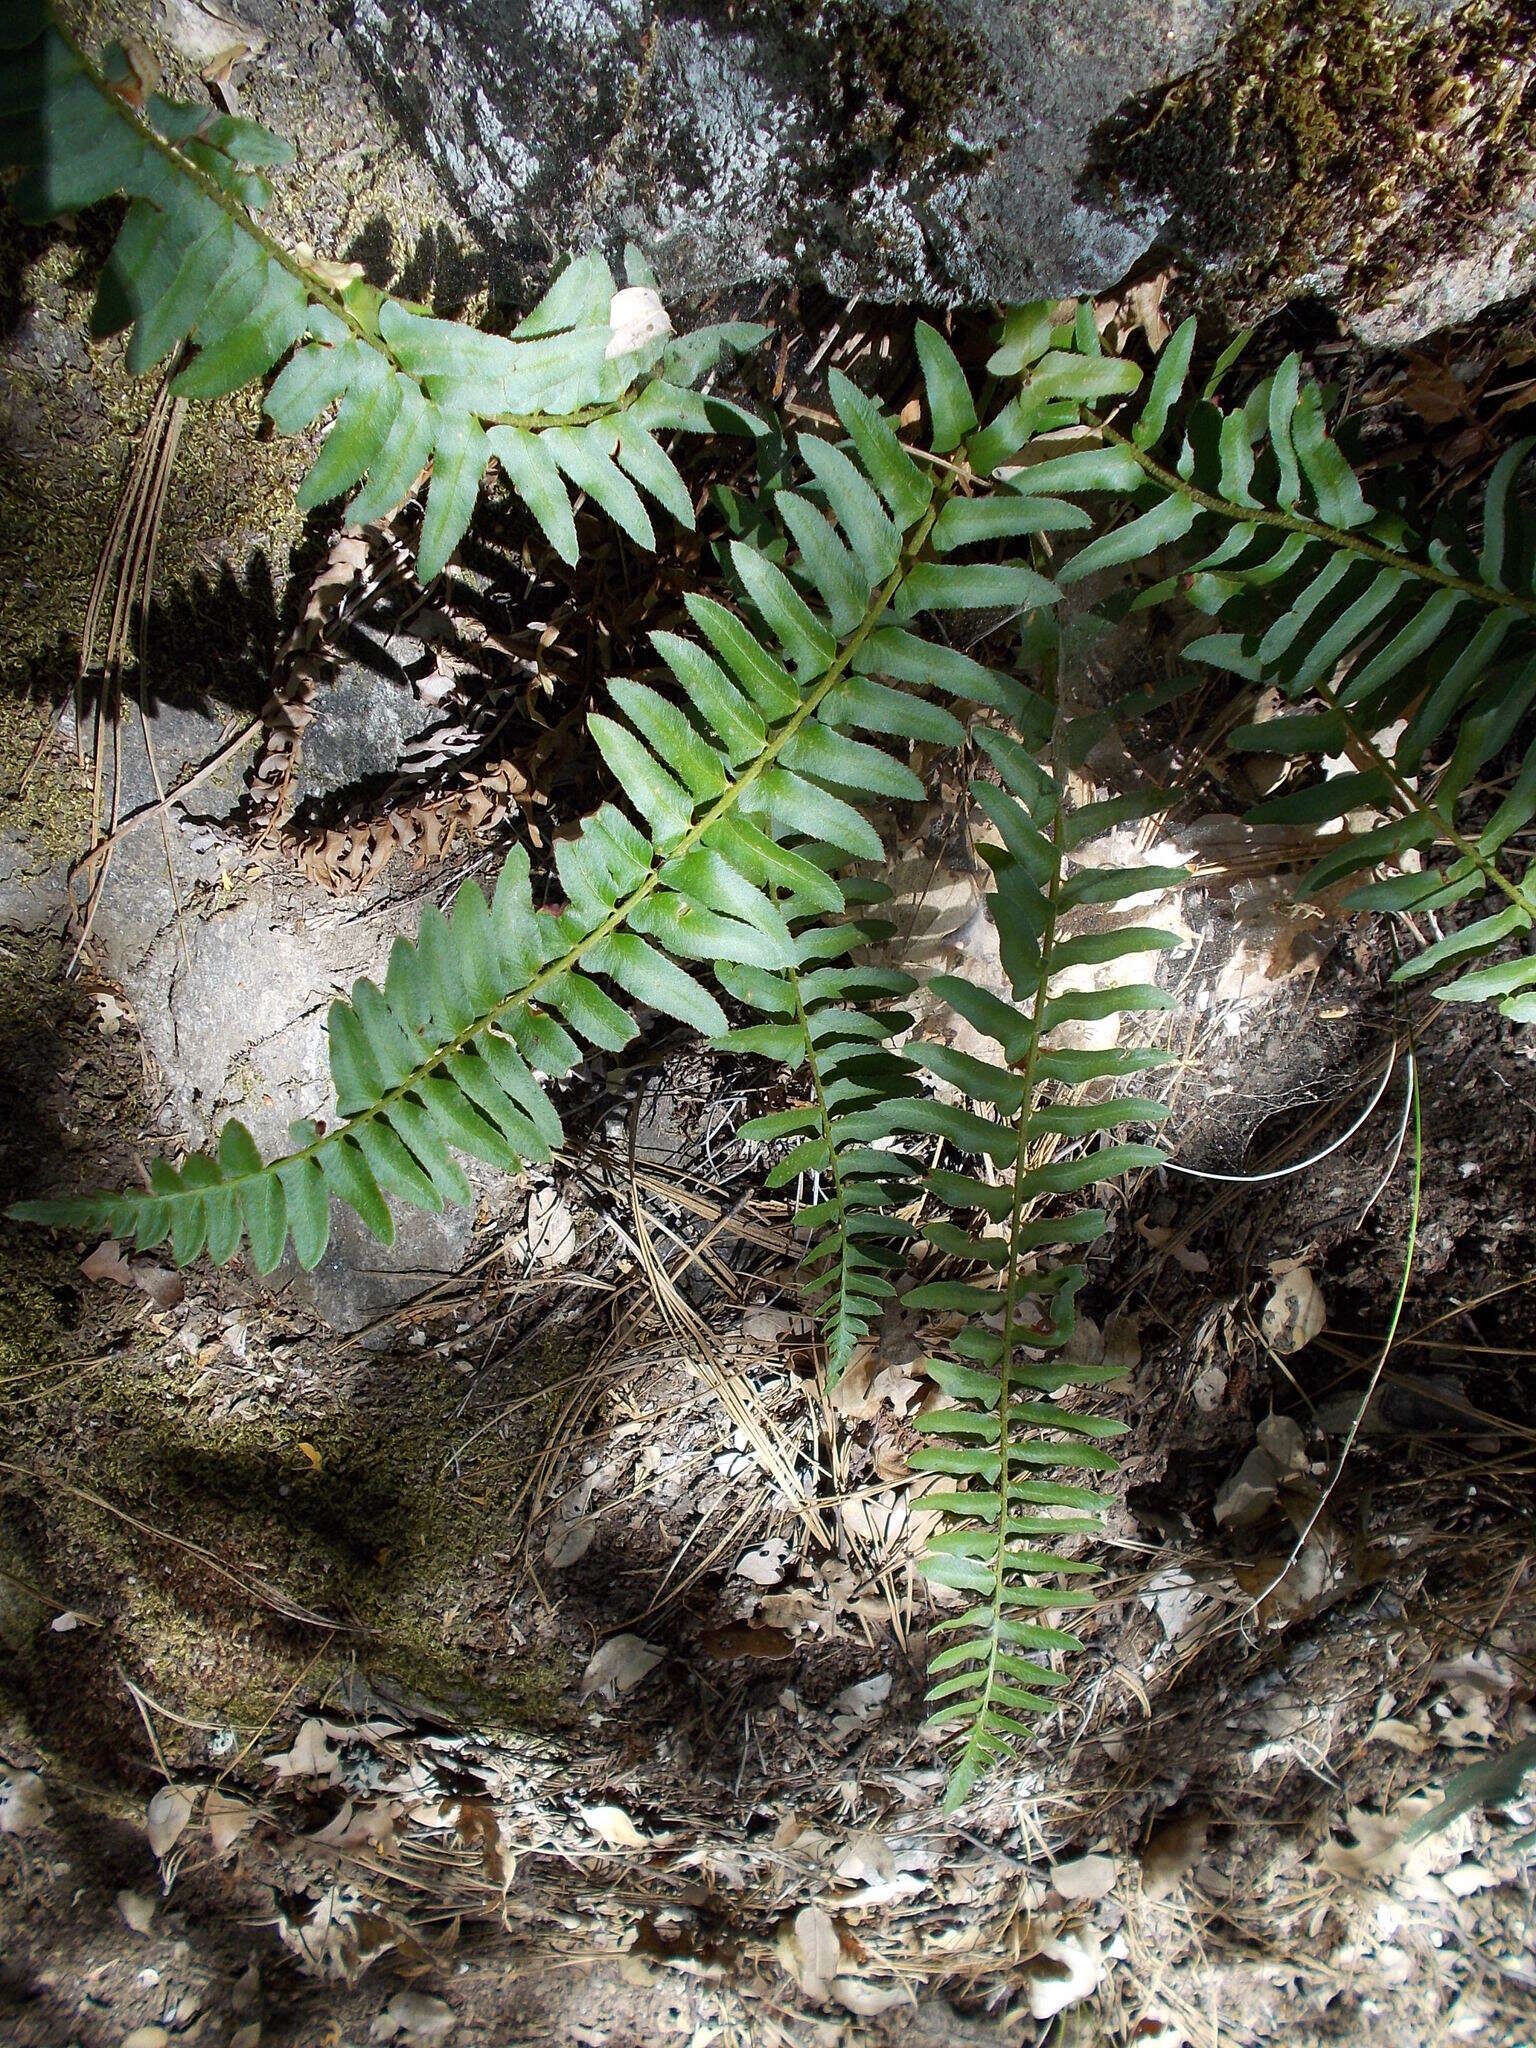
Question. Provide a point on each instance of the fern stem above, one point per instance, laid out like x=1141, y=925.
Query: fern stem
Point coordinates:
x=314, y=285
x=813, y=1069
x=1026, y=1069
x=1337, y=538
x=1415, y=805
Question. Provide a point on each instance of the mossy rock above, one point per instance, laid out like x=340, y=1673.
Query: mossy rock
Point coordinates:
x=1349, y=148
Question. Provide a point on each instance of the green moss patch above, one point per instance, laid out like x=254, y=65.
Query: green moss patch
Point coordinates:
x=897, y=82
x=350, y=1513
x=1340, y=134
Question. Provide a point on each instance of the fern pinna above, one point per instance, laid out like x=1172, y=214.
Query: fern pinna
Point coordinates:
x=730, y=860
x=1409, y=660
x=574, y=398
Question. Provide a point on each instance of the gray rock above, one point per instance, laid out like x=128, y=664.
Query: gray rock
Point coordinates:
x=229, y=988
x=966, y=150
x=950, y=150
x=360, y=727
x=938, y=149
x=359, y=1281
x=1499, y=266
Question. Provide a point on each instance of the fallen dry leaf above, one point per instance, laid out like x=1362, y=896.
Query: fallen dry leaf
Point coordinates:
x=858, y=1702
x=769, y=1644
x=360, y=1827
x=310, y=1757
x=417, y=2015
x=1122, y=1343
x=1171, y=1850
x=865, y=1858
x=167, y=1816
x=1377, y=1849
x=1280, y=1437
x=23, y=1803
x=1086, y=1877
x=858, y=1995
x=764, y=1566
x=1175, y=1597
x=137, y=1909
x=1067, y=1970
x=1401, y=1735
x=568, y=1541
x=106, y=1262
x=549, y=1237
x=1210, y=1388
x=227, y=1818
x=209, y=38
x=1249, y=1493
x=810, y=1951
x=165, y=1288
x=611, y=1824
x=1295, y=1313
x=619, y=1666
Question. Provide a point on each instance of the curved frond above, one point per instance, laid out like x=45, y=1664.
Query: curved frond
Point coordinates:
x=1410, y=659
x=831, y=1020
x=745, y=771
x=568, y=400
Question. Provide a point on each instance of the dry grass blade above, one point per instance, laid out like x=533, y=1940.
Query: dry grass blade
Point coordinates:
x=125, y=571
x=733, y=1392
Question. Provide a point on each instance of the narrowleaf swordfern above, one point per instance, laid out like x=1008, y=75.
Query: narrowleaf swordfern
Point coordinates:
x=730, y=859
x=1025, y=1462
x=1408, y=661
x=574, y=397
x=747, y=766
x=750, y=761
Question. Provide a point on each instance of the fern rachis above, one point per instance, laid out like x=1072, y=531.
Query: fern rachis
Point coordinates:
x=445, y=1057
x=1006, y=1431
x=753, y=781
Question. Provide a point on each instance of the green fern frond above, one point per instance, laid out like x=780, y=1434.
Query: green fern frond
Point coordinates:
x=1363, y=623
x=565, y=401
x=1024, y=1460
x=730, y=861
x=830, y=1019
x=869, y=519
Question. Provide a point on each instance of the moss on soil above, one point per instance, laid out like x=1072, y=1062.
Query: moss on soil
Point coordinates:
x=70, y=420
x=349, y=1513
x=71, y=416
x=50, y=812
x=1342, y=134
x=320, y=1473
